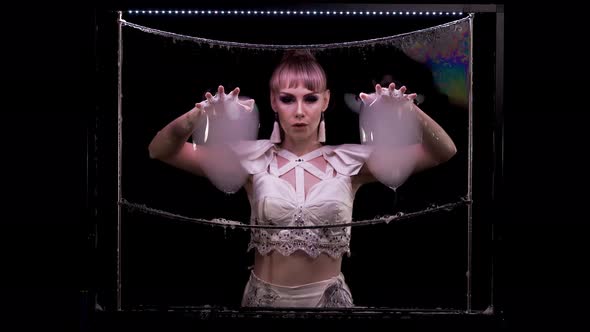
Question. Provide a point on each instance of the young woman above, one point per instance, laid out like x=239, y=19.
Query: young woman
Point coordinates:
x=293, y=179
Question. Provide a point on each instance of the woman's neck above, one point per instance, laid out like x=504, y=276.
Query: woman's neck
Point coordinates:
x=300, y=148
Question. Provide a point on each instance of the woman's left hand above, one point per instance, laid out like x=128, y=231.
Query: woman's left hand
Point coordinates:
x=389, y=95
x=389, y=117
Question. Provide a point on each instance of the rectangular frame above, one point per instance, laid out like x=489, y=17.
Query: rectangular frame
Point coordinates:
x=97, y=127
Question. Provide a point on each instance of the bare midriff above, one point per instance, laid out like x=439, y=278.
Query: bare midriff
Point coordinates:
x=295, y=269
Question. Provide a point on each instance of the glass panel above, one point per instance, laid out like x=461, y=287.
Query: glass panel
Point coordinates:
x=172, y=257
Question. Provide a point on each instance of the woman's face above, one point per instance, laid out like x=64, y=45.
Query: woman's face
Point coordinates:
x=299, y=111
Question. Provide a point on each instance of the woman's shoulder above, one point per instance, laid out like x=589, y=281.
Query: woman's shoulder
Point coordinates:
x=257, y=147
x=255, y=156
x=347, y=159
x=348, y=148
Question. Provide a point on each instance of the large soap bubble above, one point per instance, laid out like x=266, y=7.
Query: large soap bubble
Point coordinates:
x=227, y=119
x=389, y=123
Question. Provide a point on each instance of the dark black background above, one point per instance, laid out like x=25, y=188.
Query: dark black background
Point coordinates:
x=47, y=79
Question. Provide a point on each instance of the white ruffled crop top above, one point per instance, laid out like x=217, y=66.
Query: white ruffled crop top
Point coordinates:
x=274, y=201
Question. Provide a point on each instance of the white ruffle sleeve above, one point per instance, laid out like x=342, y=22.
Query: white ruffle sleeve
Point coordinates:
x=347, y=159
x=254, y=156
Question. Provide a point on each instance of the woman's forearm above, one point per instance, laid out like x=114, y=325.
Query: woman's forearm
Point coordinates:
x=170, y=139
x=434, y=138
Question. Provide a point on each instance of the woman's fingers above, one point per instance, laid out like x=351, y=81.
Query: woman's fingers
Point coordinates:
x=209, y=97
x=247, y=104
x=378, y=89
x=200, y=107
x=221, y=99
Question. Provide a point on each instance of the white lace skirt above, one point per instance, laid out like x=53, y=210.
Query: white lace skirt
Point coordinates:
x=330, y=293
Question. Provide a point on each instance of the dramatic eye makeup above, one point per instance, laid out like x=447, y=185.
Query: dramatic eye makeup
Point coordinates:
x=287, y=98
x=311, y=98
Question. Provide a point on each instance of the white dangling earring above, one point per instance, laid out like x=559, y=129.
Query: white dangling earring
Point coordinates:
x=275, y=137
x=322, y=130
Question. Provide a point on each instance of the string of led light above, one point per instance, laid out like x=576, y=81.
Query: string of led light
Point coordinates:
x=306, y=12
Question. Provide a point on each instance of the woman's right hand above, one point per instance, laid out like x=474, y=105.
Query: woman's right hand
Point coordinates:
x=228, y=118
x=223, y=104
x=170, y=144
x=219, y=162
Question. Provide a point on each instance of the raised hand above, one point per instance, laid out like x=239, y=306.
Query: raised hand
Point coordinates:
x=227, y=118
x=223, y=104
x=389, y=123
x=387, y=96
x=388, y=117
